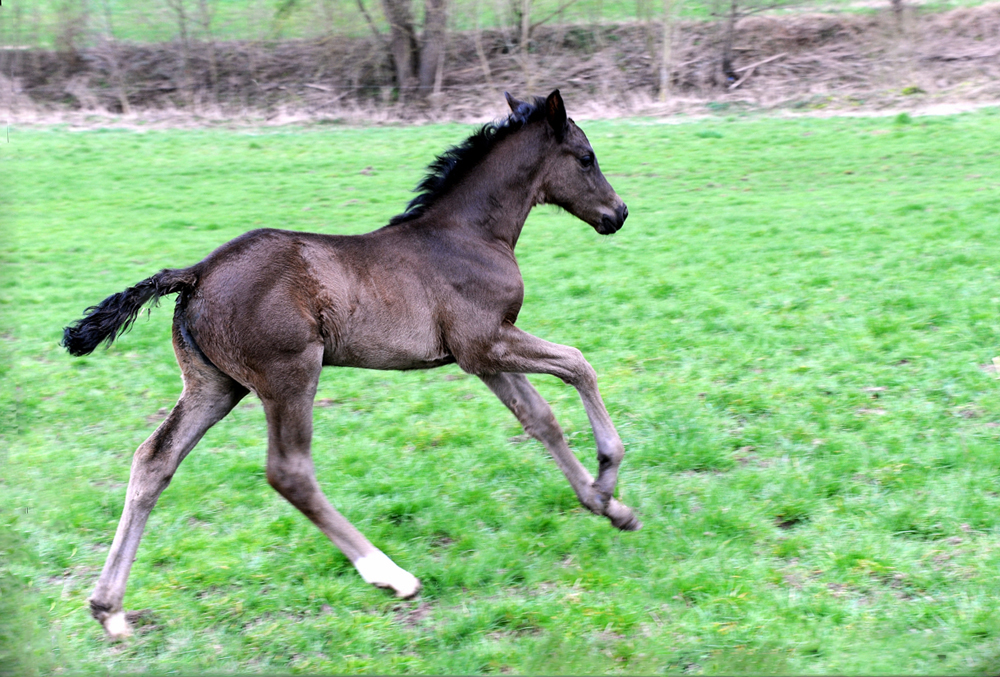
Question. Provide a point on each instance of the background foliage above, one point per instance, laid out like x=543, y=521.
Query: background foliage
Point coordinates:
x=449, y=59
x=41, y=22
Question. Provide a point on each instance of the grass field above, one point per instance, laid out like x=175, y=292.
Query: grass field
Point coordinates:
x=791, y=333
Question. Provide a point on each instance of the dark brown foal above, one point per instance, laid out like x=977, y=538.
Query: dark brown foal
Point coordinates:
x=438, y=285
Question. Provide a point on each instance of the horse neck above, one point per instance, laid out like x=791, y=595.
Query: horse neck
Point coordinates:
x=495, y=198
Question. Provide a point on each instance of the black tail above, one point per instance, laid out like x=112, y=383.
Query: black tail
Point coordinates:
x=113, y=316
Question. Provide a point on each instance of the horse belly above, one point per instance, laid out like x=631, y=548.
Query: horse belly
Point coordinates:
x=387, y=347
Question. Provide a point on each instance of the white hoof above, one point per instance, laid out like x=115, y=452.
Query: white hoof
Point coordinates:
x=116, y=626
x=382, y=572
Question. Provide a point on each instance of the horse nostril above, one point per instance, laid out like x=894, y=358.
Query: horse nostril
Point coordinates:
x=624, y=213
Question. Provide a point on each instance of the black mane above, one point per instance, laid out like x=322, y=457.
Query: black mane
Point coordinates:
x=456, y=162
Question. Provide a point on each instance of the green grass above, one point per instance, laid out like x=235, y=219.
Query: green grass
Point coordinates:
x=788, y=333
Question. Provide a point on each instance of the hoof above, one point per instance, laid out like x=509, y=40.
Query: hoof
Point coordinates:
x=409, y=591
x=382, y=572
x=621, y=516
x=116, y=626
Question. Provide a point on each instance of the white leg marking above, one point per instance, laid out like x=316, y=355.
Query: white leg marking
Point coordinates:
x=116, y=626
x=376, y=568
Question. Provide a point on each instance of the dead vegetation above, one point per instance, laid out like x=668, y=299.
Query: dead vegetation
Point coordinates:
x=804, y=61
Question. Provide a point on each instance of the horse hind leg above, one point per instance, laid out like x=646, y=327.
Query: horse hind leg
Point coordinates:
x=291, y=472
x=207, y=397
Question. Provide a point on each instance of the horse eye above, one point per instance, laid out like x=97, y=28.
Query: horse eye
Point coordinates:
x=587, y=160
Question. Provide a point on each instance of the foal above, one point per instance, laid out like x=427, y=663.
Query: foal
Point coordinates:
x=438, y=285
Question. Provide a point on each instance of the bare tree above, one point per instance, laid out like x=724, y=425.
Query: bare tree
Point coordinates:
x=521, y=25
x=729, y=12
x=667, y=48
x=112, y=53
x=370, y=21
x=71, y=24
x=180, y=12
x=897, y=10
x=419, y=64
x=433, y=43
x=179, y=9
x=402, y=42
x=525, y=51
x=484, y=62
x=206, y=13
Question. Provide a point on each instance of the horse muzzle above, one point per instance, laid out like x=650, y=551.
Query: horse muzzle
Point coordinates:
x=612, y=224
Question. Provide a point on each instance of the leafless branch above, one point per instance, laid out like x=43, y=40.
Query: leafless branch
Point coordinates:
x=759, y=63
x=371, y=24
x=548, y=17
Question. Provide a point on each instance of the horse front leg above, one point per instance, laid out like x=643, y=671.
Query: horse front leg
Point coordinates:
x=515, y=351
x=535, y=414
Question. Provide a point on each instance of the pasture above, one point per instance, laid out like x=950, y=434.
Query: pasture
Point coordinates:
x=793, y=334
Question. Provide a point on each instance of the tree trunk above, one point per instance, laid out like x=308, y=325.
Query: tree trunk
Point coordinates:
x=665, y=53
x=728, y=75
x=206, y=13
x=402, y=43
x=116, y=72
x=433, y=48
x=180, y=12
x=897, y=11
x=480, y=52
x=525, y=46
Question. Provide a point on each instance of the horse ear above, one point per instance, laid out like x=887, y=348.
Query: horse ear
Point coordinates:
x=512, y=102
x=555, y=113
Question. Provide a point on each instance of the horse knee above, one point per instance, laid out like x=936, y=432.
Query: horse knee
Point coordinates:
x=279, y=479
x=152, y=470
x=290, y=479
x=541, y=425
x=297, y=485
x=583, y=375
x=611, y=453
